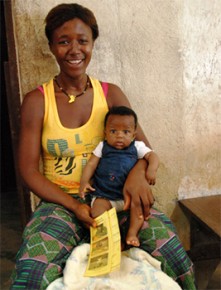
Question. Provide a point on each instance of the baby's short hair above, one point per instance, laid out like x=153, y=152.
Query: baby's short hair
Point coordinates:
x=122, y=111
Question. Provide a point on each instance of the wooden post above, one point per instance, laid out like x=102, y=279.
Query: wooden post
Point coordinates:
x=14, y=103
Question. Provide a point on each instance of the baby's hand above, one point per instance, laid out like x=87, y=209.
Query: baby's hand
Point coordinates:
x=82, y=194
x=151, y=176
x=84, y=188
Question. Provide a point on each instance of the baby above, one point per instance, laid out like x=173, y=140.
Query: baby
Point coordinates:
x=110, y=164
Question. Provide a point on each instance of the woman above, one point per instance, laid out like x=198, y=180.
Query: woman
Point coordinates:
x=63, y=120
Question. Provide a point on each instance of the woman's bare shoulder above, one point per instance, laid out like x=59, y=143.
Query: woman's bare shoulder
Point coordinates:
x=34, y=95
x=114, y=88
x=33, y=103
x=116, y=97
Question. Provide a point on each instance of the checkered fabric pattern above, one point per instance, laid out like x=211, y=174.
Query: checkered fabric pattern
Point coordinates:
x=53, y=232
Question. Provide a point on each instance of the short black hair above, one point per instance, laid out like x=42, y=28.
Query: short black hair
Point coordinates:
x=122, y=111
x=62, y=13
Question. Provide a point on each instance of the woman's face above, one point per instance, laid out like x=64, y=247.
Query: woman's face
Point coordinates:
x=72, y=45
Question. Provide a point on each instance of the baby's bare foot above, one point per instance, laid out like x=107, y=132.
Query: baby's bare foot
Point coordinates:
x=133, y=241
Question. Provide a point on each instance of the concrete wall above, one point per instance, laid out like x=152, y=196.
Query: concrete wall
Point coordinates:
x=166, y=56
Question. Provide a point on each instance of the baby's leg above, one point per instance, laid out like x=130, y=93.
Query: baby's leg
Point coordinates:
x=100, y=205
x=135, y=225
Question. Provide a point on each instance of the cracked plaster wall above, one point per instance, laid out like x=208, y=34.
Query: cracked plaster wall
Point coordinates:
x=166, y=56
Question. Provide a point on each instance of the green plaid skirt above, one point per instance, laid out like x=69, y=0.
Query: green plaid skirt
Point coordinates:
x=53, y=232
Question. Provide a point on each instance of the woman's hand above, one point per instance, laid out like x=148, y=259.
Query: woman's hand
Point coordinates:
x=137, y=192
x=83, y=214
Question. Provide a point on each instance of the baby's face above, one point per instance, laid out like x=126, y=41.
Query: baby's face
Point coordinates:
x=120, y=131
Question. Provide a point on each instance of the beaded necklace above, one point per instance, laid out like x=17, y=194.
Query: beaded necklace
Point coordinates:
x=72, y=97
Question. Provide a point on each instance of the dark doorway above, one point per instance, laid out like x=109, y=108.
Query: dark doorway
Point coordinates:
x=8, y=179
x=11, y=227
x=11, y=185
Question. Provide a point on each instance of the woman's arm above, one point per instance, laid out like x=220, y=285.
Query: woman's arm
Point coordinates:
x=32, y=114
x=137, y=191
x=115, y=97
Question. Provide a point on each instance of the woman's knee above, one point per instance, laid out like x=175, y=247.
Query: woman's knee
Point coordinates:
x=49, y=238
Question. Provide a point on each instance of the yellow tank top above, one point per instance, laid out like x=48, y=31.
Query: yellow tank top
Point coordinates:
x=66, y=151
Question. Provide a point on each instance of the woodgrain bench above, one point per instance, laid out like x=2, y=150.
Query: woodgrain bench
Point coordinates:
x=205, y=234
x=205, y=225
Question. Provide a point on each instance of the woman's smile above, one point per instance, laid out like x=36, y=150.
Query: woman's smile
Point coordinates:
x=75, y=63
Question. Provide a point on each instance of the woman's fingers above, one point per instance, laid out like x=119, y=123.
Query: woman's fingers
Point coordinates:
x=127, y=200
